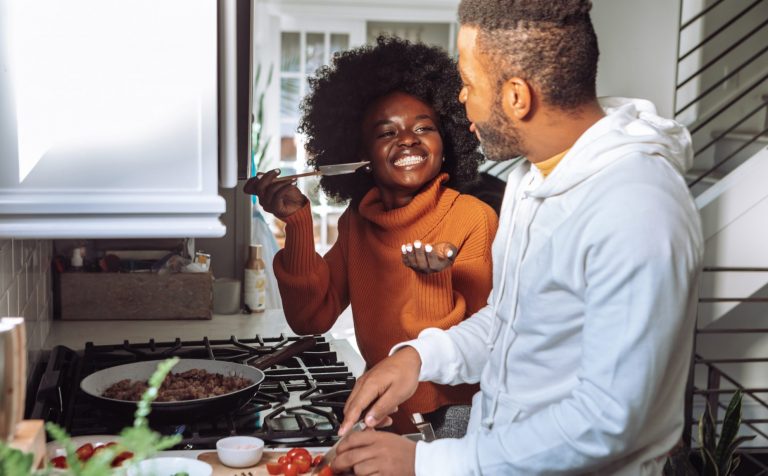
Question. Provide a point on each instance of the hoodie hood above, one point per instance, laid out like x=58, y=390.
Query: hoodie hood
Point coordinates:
x=629, y=126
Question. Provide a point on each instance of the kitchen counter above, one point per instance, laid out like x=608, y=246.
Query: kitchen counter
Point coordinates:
x=74, y=334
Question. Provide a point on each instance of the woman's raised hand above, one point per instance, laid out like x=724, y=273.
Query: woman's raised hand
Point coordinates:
x=282, y=199
x=427, y=258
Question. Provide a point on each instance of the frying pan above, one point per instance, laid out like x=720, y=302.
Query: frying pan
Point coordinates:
x=95, y=384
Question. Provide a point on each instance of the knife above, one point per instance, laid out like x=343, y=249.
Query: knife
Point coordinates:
x=424, y=427
x=331, y=454
x=336, y=169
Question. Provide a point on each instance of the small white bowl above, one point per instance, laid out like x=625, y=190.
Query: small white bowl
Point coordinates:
x=164, y=466
x=240, y=451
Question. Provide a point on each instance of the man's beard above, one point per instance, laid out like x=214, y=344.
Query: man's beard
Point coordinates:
x=499, y=139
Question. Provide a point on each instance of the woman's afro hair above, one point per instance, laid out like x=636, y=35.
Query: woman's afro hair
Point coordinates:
x=332, y=113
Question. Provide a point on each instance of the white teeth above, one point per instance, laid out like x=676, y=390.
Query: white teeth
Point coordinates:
x=409, y=160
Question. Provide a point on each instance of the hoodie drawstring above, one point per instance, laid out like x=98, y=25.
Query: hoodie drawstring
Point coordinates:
x=488, y=420
x=490, y=339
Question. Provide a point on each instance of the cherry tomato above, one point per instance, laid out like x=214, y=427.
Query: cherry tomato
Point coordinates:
x=283, y=460
x=302, y=462
x=274, y=468
x=111, y=443
x=59, y=462
x=120, y=458
x=290, y=469
x=317, y=460
x=327, y=471
x=85, y=452
x=298, y=451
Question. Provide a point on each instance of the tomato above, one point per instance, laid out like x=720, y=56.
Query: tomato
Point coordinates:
x=283, y=460
x=85, y=452
x=120, y=458
x=274, y=468
x=302, y=462
x=298, y=451
x=111, y=443
x=290, y=469
x=326, y=471
x=59, y=462
x=318, y=459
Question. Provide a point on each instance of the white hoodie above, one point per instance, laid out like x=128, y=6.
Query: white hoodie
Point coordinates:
x=583, y=350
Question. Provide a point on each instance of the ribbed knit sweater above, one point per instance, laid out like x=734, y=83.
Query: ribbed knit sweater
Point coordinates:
x=391, y=303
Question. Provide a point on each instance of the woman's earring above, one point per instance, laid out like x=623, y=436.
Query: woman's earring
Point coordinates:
x=367, y=169
x=443, y=158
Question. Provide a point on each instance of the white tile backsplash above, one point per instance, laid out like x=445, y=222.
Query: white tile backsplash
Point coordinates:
x=6, y=263
x=13, y=298
x=4, y=309
x=25, y=289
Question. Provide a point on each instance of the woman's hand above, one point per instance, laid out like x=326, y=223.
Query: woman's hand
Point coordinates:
x=282, y=199
x=427, y=258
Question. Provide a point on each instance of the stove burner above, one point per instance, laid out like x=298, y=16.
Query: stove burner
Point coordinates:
x=299, y=401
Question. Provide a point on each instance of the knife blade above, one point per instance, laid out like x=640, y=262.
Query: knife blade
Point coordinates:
x=335, y=169
x=331, y=454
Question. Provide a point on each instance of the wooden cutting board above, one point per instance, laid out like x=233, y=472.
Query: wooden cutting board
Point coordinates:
x=13, y=376
x=270, y=456
x=30, y=438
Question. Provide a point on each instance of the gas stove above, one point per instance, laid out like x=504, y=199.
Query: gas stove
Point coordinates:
x=300, y=402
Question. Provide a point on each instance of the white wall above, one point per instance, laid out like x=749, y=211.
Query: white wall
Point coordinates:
x=733, y=217
x=638, y=49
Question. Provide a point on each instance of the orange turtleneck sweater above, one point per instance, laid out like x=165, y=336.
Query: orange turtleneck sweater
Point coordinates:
x=391, y=303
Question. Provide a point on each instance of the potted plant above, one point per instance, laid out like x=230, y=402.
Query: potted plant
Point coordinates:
x=718, y=455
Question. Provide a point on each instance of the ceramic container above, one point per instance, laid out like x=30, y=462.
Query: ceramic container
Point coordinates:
x=240, y=451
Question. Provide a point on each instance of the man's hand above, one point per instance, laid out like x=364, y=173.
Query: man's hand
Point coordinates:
x=388, y=384
x=427, y=258
x=282, y=199
x=373, y=452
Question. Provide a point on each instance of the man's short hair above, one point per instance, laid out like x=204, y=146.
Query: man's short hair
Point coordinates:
x=550, y=43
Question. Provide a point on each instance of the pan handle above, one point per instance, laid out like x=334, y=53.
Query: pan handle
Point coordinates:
x=301, y=345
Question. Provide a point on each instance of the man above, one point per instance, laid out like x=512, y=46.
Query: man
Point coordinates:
x=583, y=349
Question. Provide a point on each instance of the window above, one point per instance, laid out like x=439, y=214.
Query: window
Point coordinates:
x=301, y=54
x=436, y=34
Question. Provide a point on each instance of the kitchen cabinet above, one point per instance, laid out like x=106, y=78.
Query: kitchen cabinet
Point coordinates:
x=109, y=118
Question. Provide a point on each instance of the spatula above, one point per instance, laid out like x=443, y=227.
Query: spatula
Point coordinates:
x=336, y=169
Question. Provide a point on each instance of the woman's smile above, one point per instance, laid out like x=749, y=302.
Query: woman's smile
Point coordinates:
x=410, y=161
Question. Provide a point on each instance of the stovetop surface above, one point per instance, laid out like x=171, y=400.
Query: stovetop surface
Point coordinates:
x=300, y=402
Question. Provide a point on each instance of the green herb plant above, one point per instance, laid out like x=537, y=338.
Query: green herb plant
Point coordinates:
x=139, y=439
x=13, y=462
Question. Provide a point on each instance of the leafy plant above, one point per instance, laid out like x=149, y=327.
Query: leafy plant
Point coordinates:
x=139, y=439
x=13, y=462
x=718, y=454
x=259, y=142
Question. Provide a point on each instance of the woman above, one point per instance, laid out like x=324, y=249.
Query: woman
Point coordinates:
x=396, y=105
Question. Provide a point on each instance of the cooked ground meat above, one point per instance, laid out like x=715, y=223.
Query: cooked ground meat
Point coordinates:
x=189, y=385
